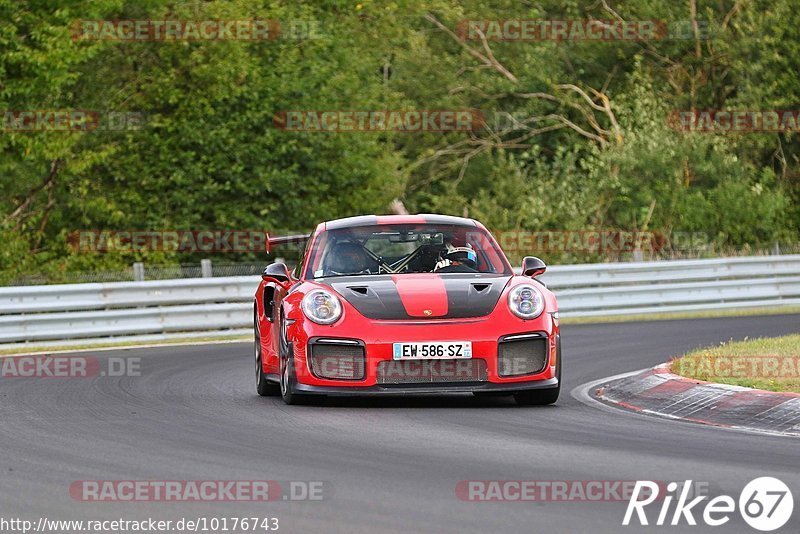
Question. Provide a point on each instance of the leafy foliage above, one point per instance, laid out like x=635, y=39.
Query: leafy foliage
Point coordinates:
x=577, y=132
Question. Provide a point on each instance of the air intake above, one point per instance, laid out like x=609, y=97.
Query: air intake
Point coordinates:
x=336, y=361
x=517, y=356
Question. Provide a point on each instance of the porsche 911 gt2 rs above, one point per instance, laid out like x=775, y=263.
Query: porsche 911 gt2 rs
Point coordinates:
x=406, y=304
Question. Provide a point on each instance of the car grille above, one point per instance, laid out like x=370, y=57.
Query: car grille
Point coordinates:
x=522, y=357
x=337, y=362
x=431, y=371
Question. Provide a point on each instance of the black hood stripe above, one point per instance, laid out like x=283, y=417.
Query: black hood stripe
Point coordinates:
x=376, y=297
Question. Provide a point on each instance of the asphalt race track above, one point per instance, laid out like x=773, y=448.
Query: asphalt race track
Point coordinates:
x=389, y=465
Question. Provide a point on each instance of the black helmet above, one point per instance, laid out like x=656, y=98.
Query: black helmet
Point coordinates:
x=347, y=258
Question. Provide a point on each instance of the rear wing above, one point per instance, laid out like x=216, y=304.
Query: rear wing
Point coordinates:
x=299, y=239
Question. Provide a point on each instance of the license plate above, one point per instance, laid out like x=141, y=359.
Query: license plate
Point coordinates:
x=435, y=350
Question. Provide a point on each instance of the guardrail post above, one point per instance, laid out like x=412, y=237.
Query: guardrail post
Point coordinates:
x=205, y=268
x=138, y=272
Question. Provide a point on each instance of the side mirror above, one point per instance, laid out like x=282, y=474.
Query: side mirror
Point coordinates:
x=276, y=272
x=533, y=266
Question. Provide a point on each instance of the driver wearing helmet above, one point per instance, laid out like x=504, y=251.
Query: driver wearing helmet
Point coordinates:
x=457, y=260
x=347, y=258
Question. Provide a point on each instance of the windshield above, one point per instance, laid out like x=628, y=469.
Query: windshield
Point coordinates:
x=401, y=249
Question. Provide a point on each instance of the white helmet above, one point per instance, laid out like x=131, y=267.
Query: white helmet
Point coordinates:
x=463, y=255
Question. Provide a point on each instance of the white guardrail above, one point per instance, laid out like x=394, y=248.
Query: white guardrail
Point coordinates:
x=78, y=311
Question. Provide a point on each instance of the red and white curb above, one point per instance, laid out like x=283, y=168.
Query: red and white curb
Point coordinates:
x=659, y=392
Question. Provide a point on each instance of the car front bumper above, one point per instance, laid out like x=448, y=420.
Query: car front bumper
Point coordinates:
x=426, y=389
x=491, y=376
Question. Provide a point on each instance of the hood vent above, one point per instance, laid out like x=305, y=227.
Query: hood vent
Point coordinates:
x=360, y=290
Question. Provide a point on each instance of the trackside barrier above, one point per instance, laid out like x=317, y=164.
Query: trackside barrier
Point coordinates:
x=77, y=311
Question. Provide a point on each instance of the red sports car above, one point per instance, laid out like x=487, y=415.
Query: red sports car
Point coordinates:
x=406, y=304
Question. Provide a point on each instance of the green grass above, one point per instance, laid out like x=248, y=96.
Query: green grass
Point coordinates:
x=771, y=364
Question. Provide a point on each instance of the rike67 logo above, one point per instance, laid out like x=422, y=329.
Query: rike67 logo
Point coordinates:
x=766, y=504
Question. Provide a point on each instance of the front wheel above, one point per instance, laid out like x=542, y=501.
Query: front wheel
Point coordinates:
x=287, y=376
x=264, y=387
x=537, y=397
x=287, y=385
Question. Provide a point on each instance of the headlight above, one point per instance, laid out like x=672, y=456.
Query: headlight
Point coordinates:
x=526, y=301
x=322, y=307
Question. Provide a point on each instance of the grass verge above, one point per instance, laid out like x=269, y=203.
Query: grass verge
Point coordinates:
x=771, y=364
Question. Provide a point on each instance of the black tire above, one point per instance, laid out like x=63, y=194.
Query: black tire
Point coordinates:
x=288, y=379
x=542, y=397
x=287, y=384
x=264, y=386
x=537, y=397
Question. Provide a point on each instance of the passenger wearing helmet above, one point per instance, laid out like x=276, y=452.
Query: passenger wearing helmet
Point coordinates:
x=457, y=260
x=347, y=258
